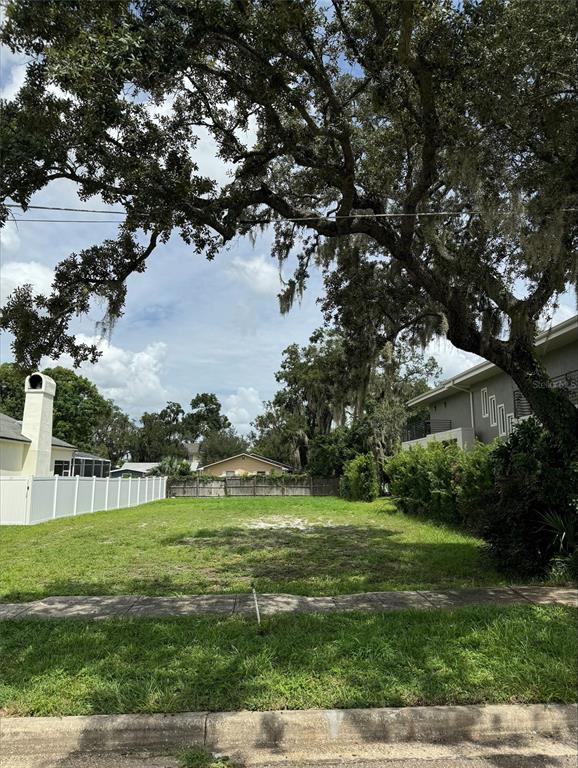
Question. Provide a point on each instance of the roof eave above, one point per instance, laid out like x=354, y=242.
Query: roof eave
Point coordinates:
x=560, y=333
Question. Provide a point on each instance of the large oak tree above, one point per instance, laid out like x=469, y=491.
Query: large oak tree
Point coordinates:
x=423, y=149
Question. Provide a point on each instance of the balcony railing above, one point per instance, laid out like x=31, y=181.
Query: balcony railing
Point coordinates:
x=567, y=381
x=417, y=430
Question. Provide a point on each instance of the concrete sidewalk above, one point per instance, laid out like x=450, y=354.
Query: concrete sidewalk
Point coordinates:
x=96, y=607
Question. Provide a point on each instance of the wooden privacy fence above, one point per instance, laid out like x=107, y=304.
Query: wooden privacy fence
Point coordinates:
x=254, y=486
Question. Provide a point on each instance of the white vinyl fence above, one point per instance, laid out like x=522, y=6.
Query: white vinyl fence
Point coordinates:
x=29, y=500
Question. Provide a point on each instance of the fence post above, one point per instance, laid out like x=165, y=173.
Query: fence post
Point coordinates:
x=138, y=490
x=92, y=494
x=75, y=511
x=106, y=492
x=254, y=485
x=118, y=492
x=129, y=490
x=55, y=496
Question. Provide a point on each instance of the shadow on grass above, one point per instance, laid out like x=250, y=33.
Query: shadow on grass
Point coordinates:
x=356, y=660
x=316, y=560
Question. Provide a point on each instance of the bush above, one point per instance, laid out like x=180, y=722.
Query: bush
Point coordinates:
x=528, y=517
x=423, y=481
x=519, y=495
x=172, y=466
x=359, y=481
x=329, y=453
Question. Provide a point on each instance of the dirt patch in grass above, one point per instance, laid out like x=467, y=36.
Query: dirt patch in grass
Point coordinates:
x=309, y=546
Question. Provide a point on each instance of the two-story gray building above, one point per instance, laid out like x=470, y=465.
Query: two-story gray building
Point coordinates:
x=484, y=403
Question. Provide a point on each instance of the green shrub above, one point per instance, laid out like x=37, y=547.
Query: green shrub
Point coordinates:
x=528, y=517
x=423, y=480
x=172, y=466
x=519, y=495
x=359, y=481
x=474, y=482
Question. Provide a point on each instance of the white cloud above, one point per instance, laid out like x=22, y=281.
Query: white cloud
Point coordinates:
x=259, y=274
x=13, y=72
x=242, y=407
x=132, y=379
x=556, y=315
x=9, y=238
x=15, y=273
x=451, y=359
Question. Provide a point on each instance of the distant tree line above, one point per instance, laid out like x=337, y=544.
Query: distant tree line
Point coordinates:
x=89, y=421
x=331, y=406
x=327, y=410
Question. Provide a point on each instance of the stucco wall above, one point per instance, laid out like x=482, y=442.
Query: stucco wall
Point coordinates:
x=60, y=454
x=12, y=456
x=562, y=360
x=456, y=406
x=241, y=465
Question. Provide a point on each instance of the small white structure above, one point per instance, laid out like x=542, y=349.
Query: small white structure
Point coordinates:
x=27, y=447
x=464, y=437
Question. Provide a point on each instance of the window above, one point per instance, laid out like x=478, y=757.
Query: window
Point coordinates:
x=493, y=411
x=510, y=421
x=230, y=473
x=502, y=420
x=261, y=473
x=62, y=468
x=484, y=395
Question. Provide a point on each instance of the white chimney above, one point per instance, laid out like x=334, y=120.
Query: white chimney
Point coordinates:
x=37, y=424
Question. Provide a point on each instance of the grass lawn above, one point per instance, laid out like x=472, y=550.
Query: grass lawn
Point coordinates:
x=470, y=655
x=194, y=546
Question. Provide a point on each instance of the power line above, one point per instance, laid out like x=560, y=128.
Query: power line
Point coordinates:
x=54, y=208
x=295, y=219
x=66, y=221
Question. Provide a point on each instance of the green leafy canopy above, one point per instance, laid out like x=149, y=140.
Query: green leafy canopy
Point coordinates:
x=457, y=120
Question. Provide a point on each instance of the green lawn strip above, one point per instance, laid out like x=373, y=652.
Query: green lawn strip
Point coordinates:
x=199, y=759
x=196, y=546
x=484, y=654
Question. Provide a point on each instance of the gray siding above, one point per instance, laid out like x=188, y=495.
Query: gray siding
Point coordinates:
x=456, y=406
x=501, y=387
x=562, y=360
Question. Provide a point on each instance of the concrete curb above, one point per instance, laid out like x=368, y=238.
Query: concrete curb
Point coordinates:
x=283, y=732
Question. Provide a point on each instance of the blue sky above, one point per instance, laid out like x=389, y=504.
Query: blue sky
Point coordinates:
x=190, y=325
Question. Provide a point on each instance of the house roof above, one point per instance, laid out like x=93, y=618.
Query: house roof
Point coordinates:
x=554, y=337
x=85, y=455
x=137, y=466
x=11, y=429
x=272, y=462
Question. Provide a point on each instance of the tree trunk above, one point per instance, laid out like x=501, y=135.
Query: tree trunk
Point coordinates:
x=550, y=405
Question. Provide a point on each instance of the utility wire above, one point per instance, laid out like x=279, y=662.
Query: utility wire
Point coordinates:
x=248, y=221
x=65, y=221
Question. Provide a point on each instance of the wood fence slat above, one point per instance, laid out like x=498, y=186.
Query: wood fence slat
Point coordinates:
x=254, y=486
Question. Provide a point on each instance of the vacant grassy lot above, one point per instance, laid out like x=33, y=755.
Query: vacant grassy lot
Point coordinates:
x=470, y=655
x=309, y=546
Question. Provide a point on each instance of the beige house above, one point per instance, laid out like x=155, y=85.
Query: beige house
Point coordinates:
x=28, y=447
x=244, y=464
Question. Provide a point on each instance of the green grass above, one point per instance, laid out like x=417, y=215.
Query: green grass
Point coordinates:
x=195, y=546
x=201, y=759
x=470, y=655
